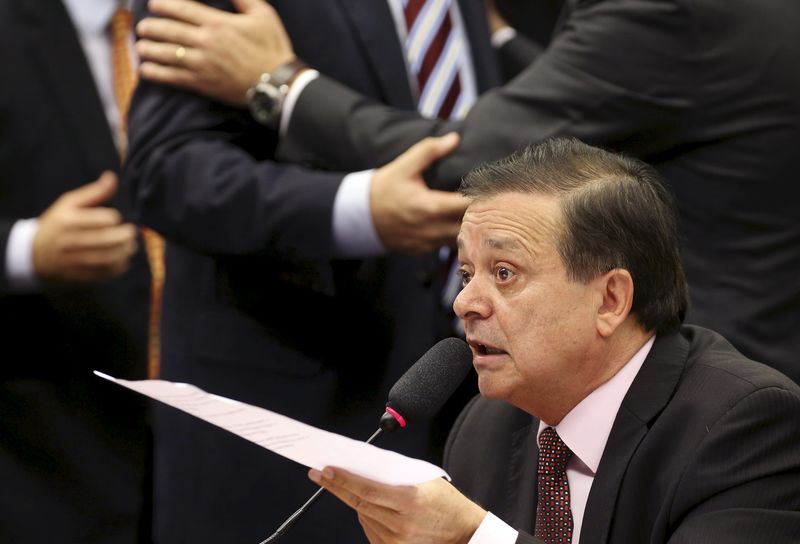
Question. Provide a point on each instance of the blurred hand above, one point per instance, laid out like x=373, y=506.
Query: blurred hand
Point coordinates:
x=409, y=216
x=213, y=52
x=430, y=513
x=78, y=241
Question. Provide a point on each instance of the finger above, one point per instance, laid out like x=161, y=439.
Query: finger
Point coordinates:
x=381, y=515
x=425, y=152
x=94, y=193
x=100, y=263
x=248, y=6
x=108, y=259
x=168, y=31
x=444, y=233
x=446, y=236
x=387, y=496
x=350, y=499
x=170, y=75
x=447, y=205
x=93, y=218
x=187, y=11
x=167, y=54
x=114, y=238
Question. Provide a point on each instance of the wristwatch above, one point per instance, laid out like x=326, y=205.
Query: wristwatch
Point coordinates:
x=265, y=98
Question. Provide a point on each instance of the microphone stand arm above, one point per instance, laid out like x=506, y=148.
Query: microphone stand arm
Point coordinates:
x=286, y=525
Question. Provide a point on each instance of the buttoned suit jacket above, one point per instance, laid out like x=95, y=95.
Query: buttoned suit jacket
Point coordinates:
x=256, y=307
x=705, y=91
x=72, y=446
x=704, y=448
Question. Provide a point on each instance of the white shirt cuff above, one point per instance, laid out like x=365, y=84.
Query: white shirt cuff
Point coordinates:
x=291, y=98
x=354, y=234
x=503, y=36
x=19, y=256
x=493, y=530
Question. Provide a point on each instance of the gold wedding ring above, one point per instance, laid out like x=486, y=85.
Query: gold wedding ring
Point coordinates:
x=180, y=53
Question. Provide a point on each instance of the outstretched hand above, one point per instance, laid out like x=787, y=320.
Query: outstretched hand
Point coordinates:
x=409, y=216
x=431, y=513
x=210, y=51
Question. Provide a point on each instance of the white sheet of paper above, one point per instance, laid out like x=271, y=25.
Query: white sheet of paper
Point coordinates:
x=288, y=437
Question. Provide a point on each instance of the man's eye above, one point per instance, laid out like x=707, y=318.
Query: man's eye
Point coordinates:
x=503, y=273
x=465, y=277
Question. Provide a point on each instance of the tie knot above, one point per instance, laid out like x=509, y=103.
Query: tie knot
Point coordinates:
x=553, y=453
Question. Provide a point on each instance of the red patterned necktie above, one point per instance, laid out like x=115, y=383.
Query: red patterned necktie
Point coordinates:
x=553, y=515
x=124, y=83
x=435, y=51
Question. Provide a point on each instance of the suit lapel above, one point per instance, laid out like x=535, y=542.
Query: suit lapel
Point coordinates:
x=59, y=58
x=373, y=23
x=521, y=495
x=647, y=397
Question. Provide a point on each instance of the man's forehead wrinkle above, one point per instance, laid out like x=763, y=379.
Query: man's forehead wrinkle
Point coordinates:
x=524, y=226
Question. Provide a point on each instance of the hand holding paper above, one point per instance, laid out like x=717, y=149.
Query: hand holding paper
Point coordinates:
x=432, y=512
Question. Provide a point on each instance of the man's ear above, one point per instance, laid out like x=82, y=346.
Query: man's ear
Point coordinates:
x=615, y=288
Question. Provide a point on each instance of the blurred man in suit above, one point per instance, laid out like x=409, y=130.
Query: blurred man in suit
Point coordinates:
x=73, y=289
x=270, y=296
x=644, y=430
x=716, y=111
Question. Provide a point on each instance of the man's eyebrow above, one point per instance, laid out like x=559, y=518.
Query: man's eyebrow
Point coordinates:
x=502, y=243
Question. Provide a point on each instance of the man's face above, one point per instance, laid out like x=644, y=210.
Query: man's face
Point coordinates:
x=531, y=329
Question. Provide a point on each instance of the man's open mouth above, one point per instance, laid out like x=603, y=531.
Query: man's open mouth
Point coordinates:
x=486, y=349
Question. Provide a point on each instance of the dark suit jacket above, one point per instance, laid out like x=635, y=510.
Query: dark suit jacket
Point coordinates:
x=706, y=91
x=704, y=449
x=255, y=307
x=72, y=447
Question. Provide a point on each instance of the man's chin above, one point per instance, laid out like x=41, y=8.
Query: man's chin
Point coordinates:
x=490, y=388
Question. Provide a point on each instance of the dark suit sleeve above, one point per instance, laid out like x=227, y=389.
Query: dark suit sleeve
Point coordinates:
x=201, y=173
x=614, y=76
x=743, y=482
x=517, y=54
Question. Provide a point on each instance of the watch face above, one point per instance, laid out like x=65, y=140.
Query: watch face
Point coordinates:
x=265, y=103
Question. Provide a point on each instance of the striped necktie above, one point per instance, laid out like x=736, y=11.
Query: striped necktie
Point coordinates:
x=436, y=53
x=124, y=77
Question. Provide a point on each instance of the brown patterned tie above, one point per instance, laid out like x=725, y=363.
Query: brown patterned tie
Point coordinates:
x=553, y=515
x=124, y=83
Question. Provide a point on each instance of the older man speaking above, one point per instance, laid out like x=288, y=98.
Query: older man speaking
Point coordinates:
x=601, y=418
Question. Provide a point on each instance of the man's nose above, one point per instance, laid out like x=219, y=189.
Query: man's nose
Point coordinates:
x=471, y=302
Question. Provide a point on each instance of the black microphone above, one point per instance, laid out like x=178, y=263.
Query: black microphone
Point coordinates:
x=422, y=391
x=417, y=395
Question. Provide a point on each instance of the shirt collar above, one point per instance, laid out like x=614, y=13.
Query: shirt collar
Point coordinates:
x=586, y=427
x=91, y=17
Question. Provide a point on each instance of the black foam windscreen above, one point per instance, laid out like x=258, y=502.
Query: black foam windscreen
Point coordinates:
x=420, y=393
